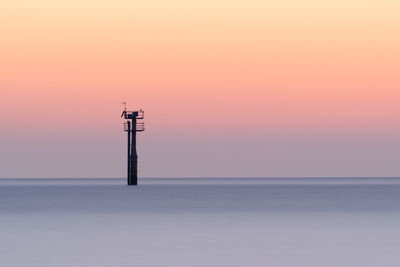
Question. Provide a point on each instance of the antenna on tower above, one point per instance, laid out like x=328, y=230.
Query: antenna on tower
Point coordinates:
x=124, y=112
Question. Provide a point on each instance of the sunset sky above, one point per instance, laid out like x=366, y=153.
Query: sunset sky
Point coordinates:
x=241, y=88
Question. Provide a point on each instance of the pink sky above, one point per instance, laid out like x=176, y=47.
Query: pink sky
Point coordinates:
x=230, y=88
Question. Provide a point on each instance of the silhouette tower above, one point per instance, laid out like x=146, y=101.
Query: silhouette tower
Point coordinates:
x=131, y=126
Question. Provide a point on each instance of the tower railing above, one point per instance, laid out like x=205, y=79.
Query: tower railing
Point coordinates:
x=139, y=116
x=139, y=127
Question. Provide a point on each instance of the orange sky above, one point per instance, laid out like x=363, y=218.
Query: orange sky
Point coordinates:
x=204, y=72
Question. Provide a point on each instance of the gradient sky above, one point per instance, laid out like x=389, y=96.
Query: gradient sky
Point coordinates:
x=230, y=88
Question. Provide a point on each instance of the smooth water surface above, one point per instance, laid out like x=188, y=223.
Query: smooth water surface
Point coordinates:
x=200, y=222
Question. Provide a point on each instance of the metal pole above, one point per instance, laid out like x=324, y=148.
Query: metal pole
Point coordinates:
x=129, y=152
x=133, y=153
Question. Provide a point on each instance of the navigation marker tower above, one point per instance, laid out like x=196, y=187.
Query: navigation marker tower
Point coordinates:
x=131, y=126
